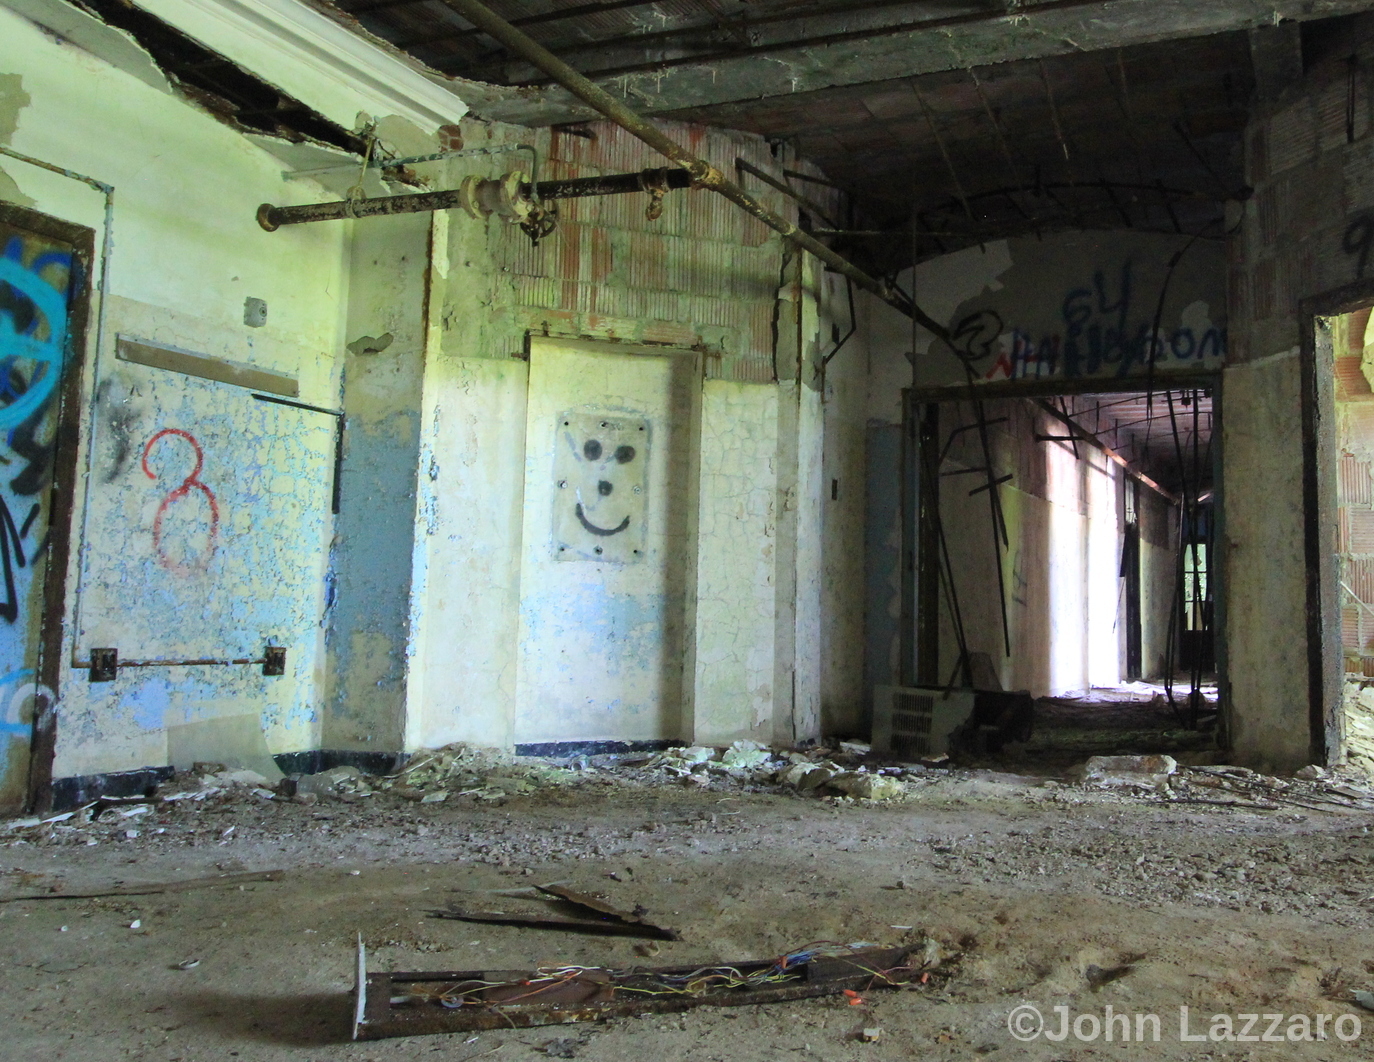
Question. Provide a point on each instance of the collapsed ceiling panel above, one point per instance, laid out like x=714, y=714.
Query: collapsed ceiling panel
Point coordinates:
x=227, y=90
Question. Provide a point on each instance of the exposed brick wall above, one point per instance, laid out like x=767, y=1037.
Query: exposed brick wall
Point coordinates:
x=1308, y=230
x=1310, y=226
x=703, y=274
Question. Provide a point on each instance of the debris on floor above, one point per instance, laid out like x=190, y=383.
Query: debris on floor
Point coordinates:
x=214, y=805
x=1359, y=725
x=485, y=774
x=490, y=775
x=1147, y=772
x=1335, y=789
x=589, y=914
x=218, y=880
x=407, y=1004
x=337, y=781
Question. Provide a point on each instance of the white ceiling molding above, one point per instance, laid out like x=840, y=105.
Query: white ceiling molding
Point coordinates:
x=327, y=66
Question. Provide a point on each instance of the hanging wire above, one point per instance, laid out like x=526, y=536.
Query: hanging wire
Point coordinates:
x=1054, y=118
x=357, y=193
x=944, y=153
x=1006, y=152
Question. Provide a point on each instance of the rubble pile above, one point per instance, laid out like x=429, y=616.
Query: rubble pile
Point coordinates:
x=1359, y=725
x=839, y=771
x=1315, y=788
x=188, y=805
x=461, y=770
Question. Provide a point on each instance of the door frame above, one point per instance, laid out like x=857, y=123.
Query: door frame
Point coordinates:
x=686, y=705
x=1325, y=660
x=923, y=399
x=66, y=443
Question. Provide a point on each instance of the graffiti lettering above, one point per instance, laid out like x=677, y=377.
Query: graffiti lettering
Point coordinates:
x=1099, y=338
x=1358, y=241
x=25, y=297
x=191, y=483
x=24, y=703
x=38, y=278
x=974, y=337
x=12, y=556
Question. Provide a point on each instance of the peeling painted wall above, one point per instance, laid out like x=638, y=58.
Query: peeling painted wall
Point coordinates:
x=1074, y=306
x=369, y=593
x=736, y=573
x=177, y=561
x=1307, y=232
x=703, y=278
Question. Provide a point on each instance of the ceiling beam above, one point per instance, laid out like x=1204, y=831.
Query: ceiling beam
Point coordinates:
x=1024, y=30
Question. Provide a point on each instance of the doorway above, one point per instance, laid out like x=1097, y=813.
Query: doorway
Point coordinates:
x=1351, y=367
x=608, y=554
x=44, y=294
x=1067, y=552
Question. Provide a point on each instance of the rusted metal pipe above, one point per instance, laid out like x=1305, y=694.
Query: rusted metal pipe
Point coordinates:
x=272, y=218
x=703, y=173
x=767, y=178
x=614, y=184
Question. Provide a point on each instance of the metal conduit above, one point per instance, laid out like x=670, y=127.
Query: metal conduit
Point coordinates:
x=704, y=175
x=273, y=217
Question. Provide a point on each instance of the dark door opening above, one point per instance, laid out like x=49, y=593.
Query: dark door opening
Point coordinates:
x=1085, y=578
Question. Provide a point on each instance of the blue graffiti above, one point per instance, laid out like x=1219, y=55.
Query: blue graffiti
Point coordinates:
x=18, y=332
x=1100, y=337
x=15, y=726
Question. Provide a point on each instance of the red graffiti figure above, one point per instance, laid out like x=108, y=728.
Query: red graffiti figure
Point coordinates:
x=190, y=483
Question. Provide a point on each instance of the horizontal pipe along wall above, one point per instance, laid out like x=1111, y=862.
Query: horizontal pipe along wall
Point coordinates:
x=703, y=278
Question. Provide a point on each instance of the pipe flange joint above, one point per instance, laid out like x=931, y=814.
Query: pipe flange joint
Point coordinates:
x=513, y=203
x=704, y=175
x=469, y=199
x=655, y=182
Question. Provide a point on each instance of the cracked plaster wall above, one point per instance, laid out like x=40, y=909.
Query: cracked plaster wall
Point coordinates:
x=705, y=277
x=1306, y=231
x=186, y=254
x=417, y=581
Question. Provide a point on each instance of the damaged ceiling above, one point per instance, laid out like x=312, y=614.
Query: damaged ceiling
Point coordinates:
x=968, y=119
x=1164, y=435
x=226, y=89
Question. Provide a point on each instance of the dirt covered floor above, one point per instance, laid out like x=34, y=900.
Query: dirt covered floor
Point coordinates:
x=1036, y=892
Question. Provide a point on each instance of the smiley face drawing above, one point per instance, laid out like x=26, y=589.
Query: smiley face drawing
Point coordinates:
x=599, y=478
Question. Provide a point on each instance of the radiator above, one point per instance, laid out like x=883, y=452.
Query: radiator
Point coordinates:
x=912, y=723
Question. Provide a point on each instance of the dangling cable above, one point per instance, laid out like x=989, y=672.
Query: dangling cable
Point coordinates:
x=357, y=193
